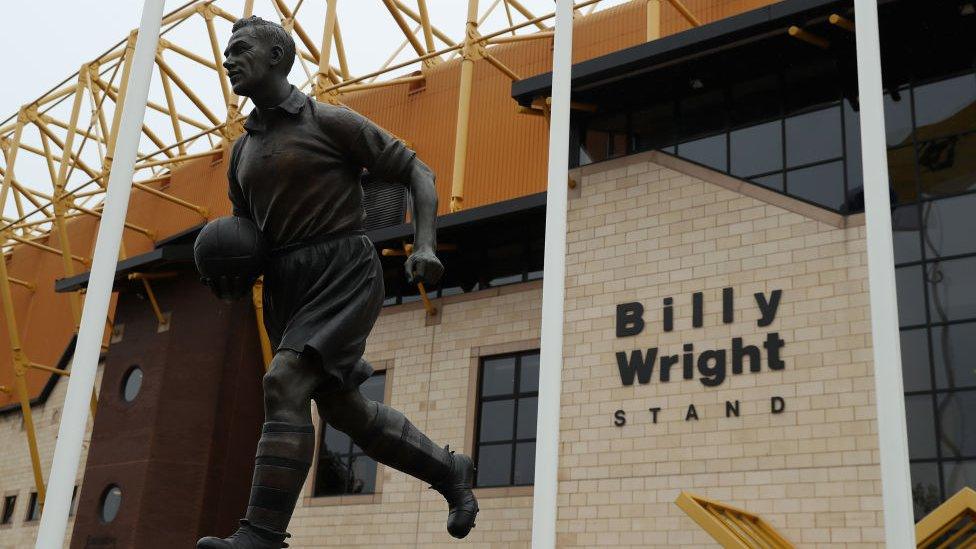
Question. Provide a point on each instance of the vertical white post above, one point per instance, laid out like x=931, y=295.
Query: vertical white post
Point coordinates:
x=74, y=416
x=544, y=504
x=899, y=522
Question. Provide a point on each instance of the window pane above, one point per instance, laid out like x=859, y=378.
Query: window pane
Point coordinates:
x=495, y=465
x=374, y=387
x=911, y=299
x=111, y=502
x=757, y=149
x=701, y=114
x=901, y=175
x=654, y=127
x=823, y=184
x=709, y=151
x=945, y=107
x=525, y=463
x=958, y=475
x=496, y=420
x=9, y=504
x=852, y=142
x=951, y=295
x=756, y=99
x=529, y=375
x=915, y=360
x=957, y=412
x=813, y=136
x=774, y=181
x=527, y=409
x=954, y=355
x=925, y=488
x=947, y=166
x=898, y=119
x=905, y=222
x=362, y=478
x=498, y=376
x=331, y=474
x=595, y=147
x=336, y=441
x=950, y=226
x=921, y=426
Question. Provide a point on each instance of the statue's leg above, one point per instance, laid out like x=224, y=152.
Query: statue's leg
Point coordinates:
x=387, y=436
x=283, y=455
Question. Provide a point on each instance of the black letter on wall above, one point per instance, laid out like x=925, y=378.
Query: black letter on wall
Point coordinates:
x=777, y=404
x=730, y=409
x=619, y=418
x=692, y=413
x=638, y=363
x=630, y=319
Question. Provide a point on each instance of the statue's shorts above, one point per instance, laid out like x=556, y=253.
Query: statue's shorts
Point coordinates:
x=322, y=299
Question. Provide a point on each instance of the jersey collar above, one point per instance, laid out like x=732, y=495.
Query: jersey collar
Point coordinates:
x=293, y=104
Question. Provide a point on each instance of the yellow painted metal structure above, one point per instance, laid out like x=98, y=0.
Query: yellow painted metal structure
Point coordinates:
x=730, y=526
x=49, y=214
x=950, y=525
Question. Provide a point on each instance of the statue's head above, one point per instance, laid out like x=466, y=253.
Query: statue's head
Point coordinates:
x=258, y=55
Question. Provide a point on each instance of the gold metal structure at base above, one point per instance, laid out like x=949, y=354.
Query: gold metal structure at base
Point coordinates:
x=950, y=525
x=732, y=527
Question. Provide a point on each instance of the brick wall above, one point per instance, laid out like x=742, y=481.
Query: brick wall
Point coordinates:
x=651, y=226
x=16, y=473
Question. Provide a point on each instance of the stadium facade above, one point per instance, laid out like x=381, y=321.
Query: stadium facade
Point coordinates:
x=717, y=325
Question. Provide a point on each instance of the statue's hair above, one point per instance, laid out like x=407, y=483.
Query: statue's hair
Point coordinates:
x=267, y=30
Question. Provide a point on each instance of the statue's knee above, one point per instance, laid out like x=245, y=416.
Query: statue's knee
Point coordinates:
x=278, y=382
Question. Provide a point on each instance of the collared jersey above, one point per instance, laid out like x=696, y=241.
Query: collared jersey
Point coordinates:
x=296, y=172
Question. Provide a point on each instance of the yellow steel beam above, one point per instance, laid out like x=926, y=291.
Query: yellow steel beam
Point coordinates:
x=468, y=54
x=328, y=38
x=841, y=21
x=808, y=37
x=419, y=19
x=257, y=298
x=685, y=12
x=402, y=23
x=527, y=14
x=187, y=91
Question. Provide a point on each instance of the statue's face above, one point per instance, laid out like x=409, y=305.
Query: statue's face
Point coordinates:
x=250, y=61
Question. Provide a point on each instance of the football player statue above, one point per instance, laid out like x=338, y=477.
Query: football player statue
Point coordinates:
x=296, y=174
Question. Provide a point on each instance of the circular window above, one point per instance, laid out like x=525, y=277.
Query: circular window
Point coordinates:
x=111, y=501
x=131, y=384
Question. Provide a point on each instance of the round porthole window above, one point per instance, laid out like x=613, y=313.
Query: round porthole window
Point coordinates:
x=131, y=384
x=110, y=503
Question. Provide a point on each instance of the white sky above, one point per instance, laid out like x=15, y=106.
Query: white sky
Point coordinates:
x=45, y=41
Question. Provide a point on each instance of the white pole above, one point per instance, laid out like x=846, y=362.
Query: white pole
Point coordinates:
x=544, y=508
x=74, y=416
x=896, y=488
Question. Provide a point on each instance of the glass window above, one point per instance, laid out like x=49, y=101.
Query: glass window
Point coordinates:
x=110, y=503
x=756, y=99
x=921, y=426
x=507, y=407
x=950, y=226
x=131, y=384
x=915, y=360
x=852, y=144
x=947, y=166
x=342, y=467
x=33, y=508
x=813, y=137
x=945, y=107
x=925, y=488
x=606, y=137
x=822, y=184
x=654, y=127
x=757, y=149
x=708, y=151
x=701, y=114
x=898, y=119
x=911, y=296
x=901, y=175
x=774, y=181
x=9, y=503
x=951, y=295
x=905, y=222
x=958, y=475
x=954, y=355
x=957, y=412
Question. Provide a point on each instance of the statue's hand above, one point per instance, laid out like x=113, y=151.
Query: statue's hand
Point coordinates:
x=228, y=288
x=423, y=266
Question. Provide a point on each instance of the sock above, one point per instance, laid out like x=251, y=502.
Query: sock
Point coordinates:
x=280, y=467
x=392, y=440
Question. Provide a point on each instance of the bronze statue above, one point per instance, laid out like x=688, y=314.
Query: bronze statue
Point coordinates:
x=296, y=174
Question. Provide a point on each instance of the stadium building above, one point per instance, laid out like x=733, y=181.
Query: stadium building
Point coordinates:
x=717, y=320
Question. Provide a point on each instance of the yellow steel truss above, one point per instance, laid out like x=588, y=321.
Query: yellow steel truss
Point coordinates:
x=950, y=525
x=732, y=527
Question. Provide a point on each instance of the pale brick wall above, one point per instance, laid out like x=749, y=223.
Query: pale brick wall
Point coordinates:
x=641, y=232
x=16, y=473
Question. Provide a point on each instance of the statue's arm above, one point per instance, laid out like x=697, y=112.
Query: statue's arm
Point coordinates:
x=424, y=193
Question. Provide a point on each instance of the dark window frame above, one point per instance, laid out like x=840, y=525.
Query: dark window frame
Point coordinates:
x=9, y=507
x=349, y=454
x=33, y=508
x=516, y=396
